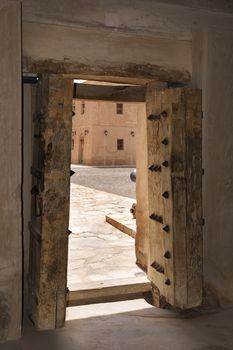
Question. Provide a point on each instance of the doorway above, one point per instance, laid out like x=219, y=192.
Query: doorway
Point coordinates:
x=102, y=242
x=174, y=240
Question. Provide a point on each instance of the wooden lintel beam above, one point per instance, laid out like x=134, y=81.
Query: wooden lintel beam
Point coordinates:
x=124, y=93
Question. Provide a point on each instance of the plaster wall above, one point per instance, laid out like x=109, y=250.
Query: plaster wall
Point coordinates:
x=88, y=51
x=114, y=34
x=212, y=67
x=11, y=167
x=170, y=18
x=117, y=34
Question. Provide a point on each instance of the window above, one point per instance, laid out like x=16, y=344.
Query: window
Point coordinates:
x=83, y=108
x=119, y=108
x=120, y=144
x=72, y=144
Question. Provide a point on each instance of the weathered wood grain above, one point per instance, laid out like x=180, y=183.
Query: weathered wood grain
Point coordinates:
x=110, y=93
x=48, y=256
x=175, y=257
x=128, y=72
x=119, y=223
x=194, y=194
x=109, y=291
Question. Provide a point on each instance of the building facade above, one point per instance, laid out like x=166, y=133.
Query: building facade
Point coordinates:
x=105, y=133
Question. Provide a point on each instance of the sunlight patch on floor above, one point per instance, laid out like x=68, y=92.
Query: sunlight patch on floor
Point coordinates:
x=95, y=310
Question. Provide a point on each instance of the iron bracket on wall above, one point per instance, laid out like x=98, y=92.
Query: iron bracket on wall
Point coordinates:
x=30, y=78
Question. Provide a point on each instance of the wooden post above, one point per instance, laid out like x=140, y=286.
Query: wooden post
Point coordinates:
x=50, y=209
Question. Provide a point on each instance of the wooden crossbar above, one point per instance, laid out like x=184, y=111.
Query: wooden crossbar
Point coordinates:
x=109, y=291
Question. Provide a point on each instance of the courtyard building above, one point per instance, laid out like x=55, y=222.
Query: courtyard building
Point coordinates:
x=104, y=132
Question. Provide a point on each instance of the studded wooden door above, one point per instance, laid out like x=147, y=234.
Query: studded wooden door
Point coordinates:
x=50, y=202
x=174, y=138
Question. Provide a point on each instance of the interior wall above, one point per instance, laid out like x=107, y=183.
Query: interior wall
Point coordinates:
x=11, y=176
x=170, y=18
x=86, y=51
x=212, y=71
x=156, y=46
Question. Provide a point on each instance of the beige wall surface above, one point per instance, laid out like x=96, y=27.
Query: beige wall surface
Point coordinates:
x=212, y=67
x=84, y=51
x=11, y=171
x=157, y=36
x=149, y=39
x=100, y=127
x=170, y=18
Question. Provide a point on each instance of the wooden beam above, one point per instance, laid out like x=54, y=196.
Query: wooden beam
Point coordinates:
x=122, y=225
x=122, y=93
x=110, y=291
x=129, y=73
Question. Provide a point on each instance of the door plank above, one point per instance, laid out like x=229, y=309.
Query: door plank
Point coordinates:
x=175, y=196
x=194, y=196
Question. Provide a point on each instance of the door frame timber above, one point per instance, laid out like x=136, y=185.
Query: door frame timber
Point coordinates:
x=48, y=292
x=67, y=297
x=50, y=202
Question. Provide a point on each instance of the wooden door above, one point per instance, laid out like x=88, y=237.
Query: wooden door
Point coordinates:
x=50, y=202
x=174, y=140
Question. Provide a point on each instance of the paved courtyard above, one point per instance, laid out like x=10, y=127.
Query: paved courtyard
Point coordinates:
x=98, y=251
x=107, y=179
